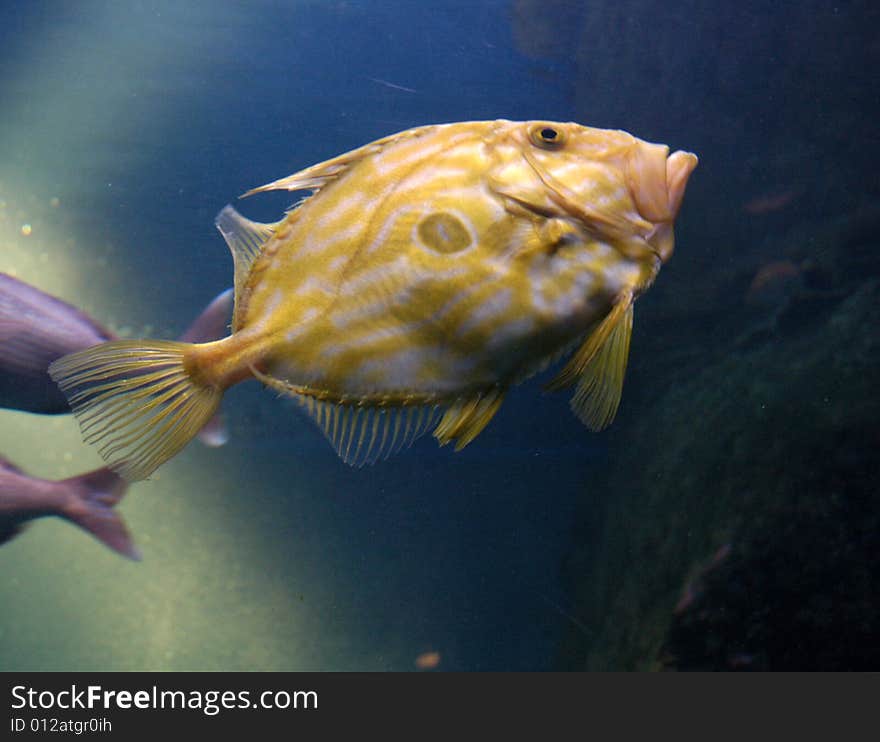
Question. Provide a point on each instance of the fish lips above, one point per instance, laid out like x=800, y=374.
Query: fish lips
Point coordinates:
x=657, y=182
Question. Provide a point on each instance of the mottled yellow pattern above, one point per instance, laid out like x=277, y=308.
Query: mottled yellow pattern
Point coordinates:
x=438, y=267
x=357, y=303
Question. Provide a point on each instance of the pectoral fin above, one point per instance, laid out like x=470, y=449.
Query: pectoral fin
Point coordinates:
x=599, y=366
x=574, y=369
x=598, y=390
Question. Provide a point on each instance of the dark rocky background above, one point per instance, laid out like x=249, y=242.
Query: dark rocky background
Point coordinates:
x=736, y=522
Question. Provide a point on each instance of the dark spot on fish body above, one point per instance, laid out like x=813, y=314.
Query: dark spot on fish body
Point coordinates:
x=444, y=233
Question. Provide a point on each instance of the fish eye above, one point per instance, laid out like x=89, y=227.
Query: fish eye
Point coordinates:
x=546, y=136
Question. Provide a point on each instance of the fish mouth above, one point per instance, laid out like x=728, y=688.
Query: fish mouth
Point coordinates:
x=657, y=182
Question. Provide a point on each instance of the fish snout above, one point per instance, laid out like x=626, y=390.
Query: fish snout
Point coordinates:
x=679, y=167
x=657, y=182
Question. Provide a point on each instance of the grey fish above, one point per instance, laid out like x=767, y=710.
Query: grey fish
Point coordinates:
x=86, y=500
x=37, y=328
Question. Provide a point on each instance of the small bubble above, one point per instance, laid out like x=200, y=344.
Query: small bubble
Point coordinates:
x=26, y=229
x=55, y=202
x=68, y=456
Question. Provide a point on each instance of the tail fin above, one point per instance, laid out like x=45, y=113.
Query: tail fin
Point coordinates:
x=91, y=508
x=136, y=401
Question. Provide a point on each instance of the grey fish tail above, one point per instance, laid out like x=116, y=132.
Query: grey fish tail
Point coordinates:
x=95, y=494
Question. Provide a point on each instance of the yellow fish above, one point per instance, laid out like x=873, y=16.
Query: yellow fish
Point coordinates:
x=427, y=273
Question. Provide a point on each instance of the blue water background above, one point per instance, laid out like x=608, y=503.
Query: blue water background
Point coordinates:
x=144, y=123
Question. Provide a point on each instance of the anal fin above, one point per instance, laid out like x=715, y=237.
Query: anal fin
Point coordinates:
x=362, y=434
x=466, y=418
x=363, y=431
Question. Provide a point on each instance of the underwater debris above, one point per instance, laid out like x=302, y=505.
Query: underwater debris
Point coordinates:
x=428, y=660
x=774, y=283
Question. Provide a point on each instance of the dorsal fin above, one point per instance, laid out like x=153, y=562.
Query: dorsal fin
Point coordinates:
x=311, y=179
x=317, y=176
x=245, y=239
